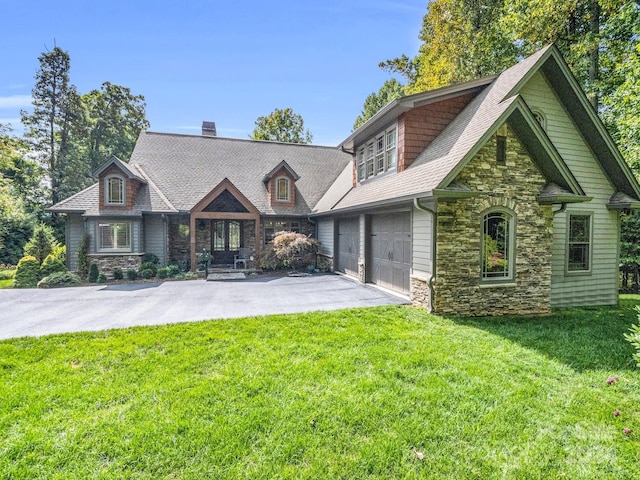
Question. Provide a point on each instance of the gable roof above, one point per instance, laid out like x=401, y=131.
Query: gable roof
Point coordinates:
x=433, y=171
x=187, y=167
x=282, y=165
x=121, y=165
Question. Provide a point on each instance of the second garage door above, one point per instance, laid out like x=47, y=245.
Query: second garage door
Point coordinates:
x=390, y=251
x=348, y=242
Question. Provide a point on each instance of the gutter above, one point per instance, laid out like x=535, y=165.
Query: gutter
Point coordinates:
x=419, y=206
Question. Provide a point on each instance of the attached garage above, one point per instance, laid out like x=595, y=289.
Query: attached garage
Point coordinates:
x=348, y=245
x=389, y=262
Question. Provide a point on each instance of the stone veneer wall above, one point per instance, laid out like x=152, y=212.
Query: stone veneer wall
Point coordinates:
x=458, y=289
x=179, y=246
x=107, y=263
x=420, y=293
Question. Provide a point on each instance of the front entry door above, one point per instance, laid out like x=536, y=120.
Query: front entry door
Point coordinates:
x=226, y=240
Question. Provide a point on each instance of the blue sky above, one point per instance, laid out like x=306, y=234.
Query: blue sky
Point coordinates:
x=228, y=62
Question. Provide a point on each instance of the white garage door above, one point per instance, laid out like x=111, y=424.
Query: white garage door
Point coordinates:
x=390, y=251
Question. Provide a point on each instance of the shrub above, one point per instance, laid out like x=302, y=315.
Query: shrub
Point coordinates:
x=147, y=273
x=8, y=274
x=132, y=274
x=27, y=273
x=60, y=279
x=102, y=278
x=634, y=337
x=148, y=266
x=118, y=274
x=150, y=258
x=173, y=270
x=41, y=244
x=83, y=255
x=163, y=272
x=187, y=276
x=93, y=273
x=51, y=265
x=290, y=250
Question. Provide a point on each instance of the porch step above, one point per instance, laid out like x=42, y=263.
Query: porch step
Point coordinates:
x=225, y=276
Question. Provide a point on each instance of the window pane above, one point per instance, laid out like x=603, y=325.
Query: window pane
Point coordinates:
x=370, y=159
x=115, y=193
x=579, y=243
x=234, y=235
x=282, y=189
x=495, y=251
x=380, y=154
x=218, y=236
x=114, y=236
x=361, y=172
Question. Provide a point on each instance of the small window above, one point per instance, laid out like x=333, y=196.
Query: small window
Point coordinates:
x=501, y=150
x=370, y=159
x=114, y=237
x=282, y=189
x=114, y=191
x=272, y=227
x=579, y=243
x=497, y=246
x=392, y=154
x=360, y=161
x=378, y=155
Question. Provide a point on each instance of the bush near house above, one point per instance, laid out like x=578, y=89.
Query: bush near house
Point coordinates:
x=289, y=250
x=60, y=279
x=93, y=273
x=27, y=272
x=41, y=244
x=148, y=266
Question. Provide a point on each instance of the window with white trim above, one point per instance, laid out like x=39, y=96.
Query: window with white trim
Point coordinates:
x=114, y=237
x=579, y=244
x=498, y=246
x=378, y=155
x=272, y=227
x=114, y=190
x=282, y=189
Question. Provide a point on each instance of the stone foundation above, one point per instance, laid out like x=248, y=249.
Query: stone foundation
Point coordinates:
x=420, y=293
x=107, y=263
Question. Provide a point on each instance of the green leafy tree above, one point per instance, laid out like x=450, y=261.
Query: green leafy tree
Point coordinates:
x=390, y=90
x=56, y=110
x=41, y=244
x=281, y=126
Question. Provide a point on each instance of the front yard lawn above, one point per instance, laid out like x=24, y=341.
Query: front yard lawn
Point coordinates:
x=388, y=392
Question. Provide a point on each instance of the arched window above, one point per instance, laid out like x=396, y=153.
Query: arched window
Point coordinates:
x=498, y=245
x=282, y=189
x=114, y=190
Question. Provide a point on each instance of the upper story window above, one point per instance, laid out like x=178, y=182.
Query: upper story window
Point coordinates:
x=579, y=244
x=114, y=190
x=283, y=193
x=378, y=155
x=498, y=246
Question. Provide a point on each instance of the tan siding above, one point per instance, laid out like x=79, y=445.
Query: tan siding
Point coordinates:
x=601, y=286
x=325, y=236
x=422, y=236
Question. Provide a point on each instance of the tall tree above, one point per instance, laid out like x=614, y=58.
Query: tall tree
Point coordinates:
x=115, y=119
x=461, y=40
x=56, y=107
x=281, y=126
x=390, y=90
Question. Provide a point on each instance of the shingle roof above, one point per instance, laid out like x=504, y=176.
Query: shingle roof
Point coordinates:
x=438, y=164
x=185, y=168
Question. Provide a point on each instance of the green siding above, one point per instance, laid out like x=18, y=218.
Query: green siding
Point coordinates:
x=155, y=237
x=600, y=287
x=422, y=235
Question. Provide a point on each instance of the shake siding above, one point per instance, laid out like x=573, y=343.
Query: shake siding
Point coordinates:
x=75, y=230
x=600, y=287
x=325, y=236
x=155, y=237
x=422, y=243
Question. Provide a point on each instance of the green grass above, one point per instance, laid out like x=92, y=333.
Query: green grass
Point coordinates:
x=358, y=393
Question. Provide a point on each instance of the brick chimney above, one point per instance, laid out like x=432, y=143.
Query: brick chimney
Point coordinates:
x=208, y=129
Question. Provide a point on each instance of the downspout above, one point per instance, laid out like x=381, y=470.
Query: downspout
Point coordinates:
x=419, y=206
x=562, y=208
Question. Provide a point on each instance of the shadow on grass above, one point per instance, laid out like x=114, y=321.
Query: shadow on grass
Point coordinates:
x=582, y=338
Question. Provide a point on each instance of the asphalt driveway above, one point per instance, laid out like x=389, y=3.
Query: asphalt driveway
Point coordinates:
x=36, y=312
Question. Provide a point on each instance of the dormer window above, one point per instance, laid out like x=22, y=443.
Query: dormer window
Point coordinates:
x=378, y=155
x=114, y=190
x=283, y=189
